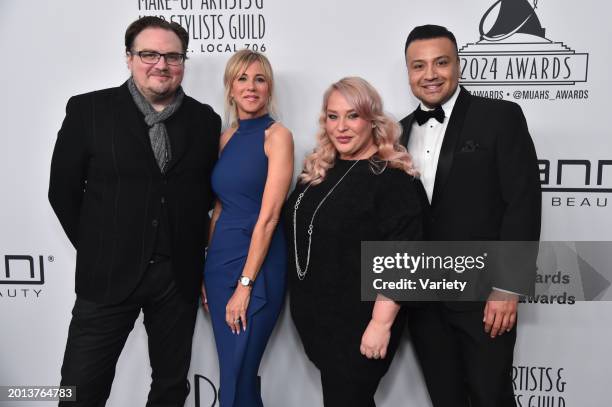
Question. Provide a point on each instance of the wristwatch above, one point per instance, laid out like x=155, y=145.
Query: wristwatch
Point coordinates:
x=245, y=281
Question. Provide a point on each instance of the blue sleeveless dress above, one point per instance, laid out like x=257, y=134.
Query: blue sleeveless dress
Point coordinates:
x=238, y=180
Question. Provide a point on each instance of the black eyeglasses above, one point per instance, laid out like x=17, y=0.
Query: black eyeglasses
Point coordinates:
x=152, y=57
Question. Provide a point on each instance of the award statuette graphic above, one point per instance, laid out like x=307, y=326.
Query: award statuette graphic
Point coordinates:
x=514, y=17
x=513, y=50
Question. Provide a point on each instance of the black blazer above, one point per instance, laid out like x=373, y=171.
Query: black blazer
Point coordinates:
x=108, y=192
x=487, y=184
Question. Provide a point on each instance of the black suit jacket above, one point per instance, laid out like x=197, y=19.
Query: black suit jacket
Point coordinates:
x=109, y=194
x=487, y=184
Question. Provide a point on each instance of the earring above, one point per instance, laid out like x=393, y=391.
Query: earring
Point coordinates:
x=373, y=125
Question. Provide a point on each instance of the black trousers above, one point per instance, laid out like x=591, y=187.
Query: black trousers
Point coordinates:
x=340, y=390
x=98, y=333
x=462, y=365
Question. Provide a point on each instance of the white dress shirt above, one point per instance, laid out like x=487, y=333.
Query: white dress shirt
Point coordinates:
x=425, y=143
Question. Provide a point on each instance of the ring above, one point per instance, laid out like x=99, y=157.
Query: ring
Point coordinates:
x=375, y=355
x=237, y=320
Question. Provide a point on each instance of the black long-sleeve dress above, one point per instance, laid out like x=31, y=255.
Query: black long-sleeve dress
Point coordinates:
x=326, y=305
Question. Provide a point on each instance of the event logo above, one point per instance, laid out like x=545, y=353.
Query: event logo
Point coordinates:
x=576, y=182
x=513, y=50
x=214, y=26
x=539, y=386
x=572, y=271
x=20, y=269
x=205, y=392
x=568, y=272
x=23, y=270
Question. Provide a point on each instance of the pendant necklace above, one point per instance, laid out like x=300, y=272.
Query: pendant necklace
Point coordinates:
x=302, y=273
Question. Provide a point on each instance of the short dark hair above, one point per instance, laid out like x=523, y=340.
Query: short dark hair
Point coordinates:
x=428, y=32
x=151, y=21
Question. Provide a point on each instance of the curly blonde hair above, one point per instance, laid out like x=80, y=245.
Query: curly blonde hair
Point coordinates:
x=236, y=65
x=386, y=131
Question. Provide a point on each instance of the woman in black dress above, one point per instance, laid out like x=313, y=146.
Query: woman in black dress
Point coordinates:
x=358, y=184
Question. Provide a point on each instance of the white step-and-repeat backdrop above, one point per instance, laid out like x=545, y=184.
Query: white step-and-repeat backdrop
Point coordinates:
x=54, y=49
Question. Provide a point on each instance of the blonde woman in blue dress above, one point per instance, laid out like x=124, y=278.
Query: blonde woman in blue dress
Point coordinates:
x=245, y=274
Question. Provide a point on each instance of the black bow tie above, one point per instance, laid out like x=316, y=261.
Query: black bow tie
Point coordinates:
x=422, y=116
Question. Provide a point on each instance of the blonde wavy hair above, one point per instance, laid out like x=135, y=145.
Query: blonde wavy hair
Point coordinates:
x=236, y=65
x=386, y=132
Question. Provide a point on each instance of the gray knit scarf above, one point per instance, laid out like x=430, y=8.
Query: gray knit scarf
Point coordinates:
x=160, y=142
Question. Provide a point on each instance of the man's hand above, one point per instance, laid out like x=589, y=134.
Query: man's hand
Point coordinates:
x=500, y=313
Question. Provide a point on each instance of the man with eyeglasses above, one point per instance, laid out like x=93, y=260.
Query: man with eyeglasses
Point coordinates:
x=130, y=184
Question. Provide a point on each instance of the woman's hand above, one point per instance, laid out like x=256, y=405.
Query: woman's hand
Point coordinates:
x=375, y=340
x=235, y=310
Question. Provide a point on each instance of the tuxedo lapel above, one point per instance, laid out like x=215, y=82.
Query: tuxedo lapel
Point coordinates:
x=406, y=129
x=447, y=152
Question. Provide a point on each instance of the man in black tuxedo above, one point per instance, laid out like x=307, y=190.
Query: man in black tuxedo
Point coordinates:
x=479, y=168
x=130, y=184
